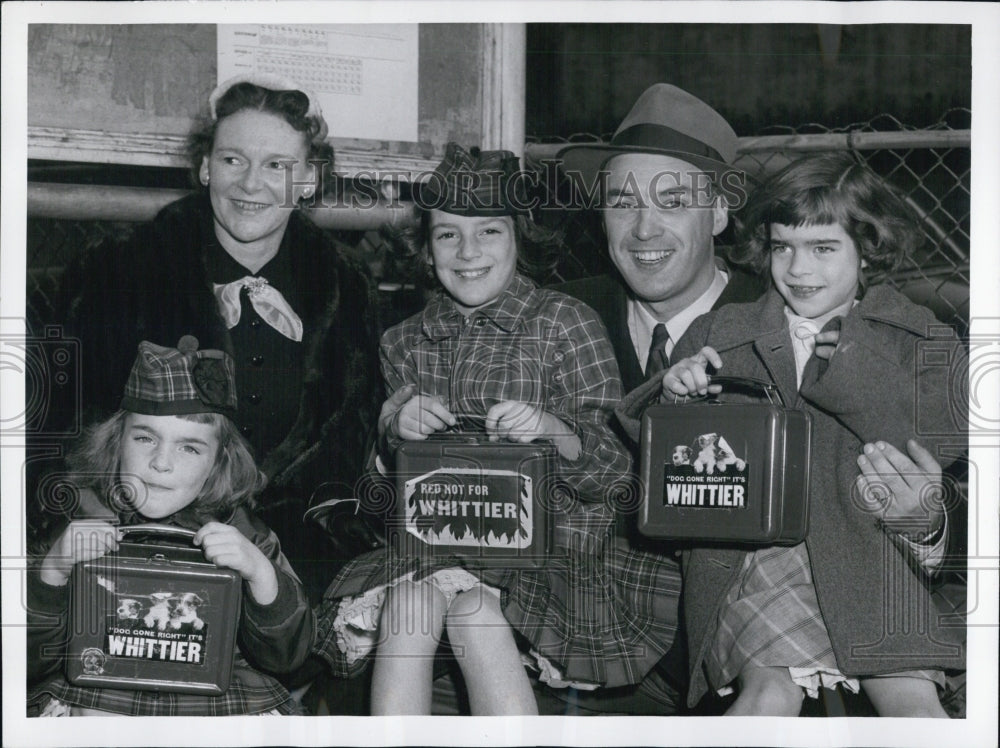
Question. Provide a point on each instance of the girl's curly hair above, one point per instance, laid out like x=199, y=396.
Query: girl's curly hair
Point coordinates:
x=826, y=189
x=95, y=463
x=291, y=106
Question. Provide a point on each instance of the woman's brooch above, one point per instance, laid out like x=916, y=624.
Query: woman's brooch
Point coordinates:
x=254, y=286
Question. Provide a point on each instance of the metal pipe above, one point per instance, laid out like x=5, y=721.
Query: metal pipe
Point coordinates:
x=859, y=141
x=97, y=202
x=862, y=141
x=83, y=202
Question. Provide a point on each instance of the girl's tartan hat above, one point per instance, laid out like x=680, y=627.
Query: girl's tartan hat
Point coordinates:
x=181, y=380
x=475, y=183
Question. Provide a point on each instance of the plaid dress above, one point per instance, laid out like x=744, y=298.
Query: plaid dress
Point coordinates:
x=593, y=612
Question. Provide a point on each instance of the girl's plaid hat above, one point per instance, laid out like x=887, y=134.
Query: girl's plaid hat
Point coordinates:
x=475, y=183
x=181, y=380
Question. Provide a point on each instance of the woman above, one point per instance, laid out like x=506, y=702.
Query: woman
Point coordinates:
x=238, y=267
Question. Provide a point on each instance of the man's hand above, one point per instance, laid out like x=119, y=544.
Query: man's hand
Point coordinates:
x=909, y=488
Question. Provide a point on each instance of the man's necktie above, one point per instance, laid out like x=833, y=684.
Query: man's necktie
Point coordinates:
x=267, y=300
x=658, y=360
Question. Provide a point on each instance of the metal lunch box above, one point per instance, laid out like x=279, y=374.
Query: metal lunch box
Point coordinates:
x=726, y=472
x=153, y=616
x=485, y=502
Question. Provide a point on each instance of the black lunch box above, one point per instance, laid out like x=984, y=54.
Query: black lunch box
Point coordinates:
x=726, y=472
x=484, y=502
x=153, y=616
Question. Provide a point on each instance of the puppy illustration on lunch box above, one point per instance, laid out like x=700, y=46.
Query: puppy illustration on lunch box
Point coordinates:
x=715, y=455
x=699, y=475
x=169, y=610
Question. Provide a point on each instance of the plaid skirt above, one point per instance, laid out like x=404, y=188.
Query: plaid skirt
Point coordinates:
x=249, y=692
x=771, y=618
x=604, y=617
x=55, y=708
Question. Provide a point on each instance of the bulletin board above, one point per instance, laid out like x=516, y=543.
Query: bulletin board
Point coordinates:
x=131, y=93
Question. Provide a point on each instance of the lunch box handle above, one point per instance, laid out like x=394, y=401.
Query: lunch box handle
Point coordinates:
x=158, y=528
x=768, y=389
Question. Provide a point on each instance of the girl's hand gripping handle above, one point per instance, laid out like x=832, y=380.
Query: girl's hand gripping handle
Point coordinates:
x=419, y=416
x=82, y=540
x=690, y=376
x=226, y=546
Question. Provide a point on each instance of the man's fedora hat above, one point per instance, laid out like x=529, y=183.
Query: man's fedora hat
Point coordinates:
x=664, y=120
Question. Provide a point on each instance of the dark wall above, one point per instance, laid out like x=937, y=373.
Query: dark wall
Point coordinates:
x=585, y=77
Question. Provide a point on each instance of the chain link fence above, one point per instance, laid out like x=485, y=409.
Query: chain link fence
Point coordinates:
x=931, y=166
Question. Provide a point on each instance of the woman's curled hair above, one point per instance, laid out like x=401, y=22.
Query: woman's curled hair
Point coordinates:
x=291, y=106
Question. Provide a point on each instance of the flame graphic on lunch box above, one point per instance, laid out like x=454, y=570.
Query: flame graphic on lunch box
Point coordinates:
x=470, y=507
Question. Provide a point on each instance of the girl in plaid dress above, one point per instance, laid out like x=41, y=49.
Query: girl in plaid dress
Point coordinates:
x=788, y=620
x=494, y=354
x=171, y=455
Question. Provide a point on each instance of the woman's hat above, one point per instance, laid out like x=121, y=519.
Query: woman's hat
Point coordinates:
x=181, y=380
x=475, y=183
x=664, y=120
x=272, y=83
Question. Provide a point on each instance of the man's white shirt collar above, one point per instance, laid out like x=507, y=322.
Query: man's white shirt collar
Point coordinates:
x=641, y=322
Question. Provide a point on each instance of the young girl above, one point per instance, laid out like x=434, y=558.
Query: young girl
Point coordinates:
x=839, y=607
x=172, y=455
x=493, y=353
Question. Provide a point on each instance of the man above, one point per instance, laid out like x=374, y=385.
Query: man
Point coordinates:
x=665, y=183
x=668, y=183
